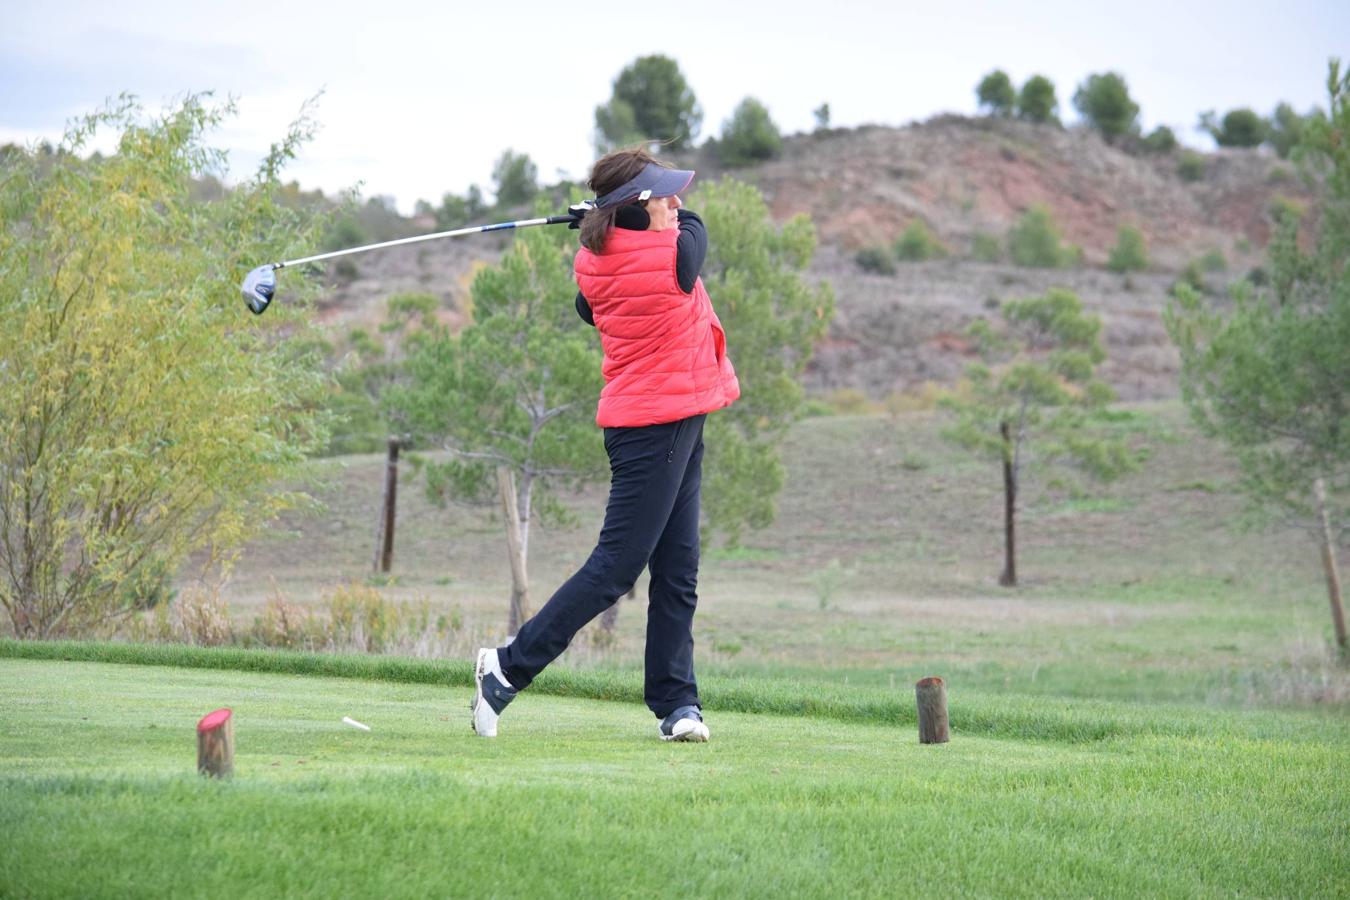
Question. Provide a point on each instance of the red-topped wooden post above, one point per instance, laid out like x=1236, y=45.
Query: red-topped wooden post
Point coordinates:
x=215, y=744
x=931, y=695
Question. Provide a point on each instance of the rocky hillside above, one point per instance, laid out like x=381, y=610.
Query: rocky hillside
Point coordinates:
x=962, y=177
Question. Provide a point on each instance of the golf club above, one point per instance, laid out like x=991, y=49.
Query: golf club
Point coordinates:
x=260, y=285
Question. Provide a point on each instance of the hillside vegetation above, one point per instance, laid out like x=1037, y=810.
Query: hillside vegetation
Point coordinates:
x=968, y=180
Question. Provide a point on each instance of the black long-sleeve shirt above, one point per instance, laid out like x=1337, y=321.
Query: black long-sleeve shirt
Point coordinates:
x=691, y=248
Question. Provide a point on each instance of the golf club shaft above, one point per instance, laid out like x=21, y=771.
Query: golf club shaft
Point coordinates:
x=458, y=232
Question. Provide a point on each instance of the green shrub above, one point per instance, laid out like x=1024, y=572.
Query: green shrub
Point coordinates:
x=1193, y=276
x=1035, y=241
x=286, y=624
x=1130, y=254
x=814, y=408
x=360, y=618
x=851, y=402
x=1214, y=261
x=346, y=271
x=749, y=135
x=1239, y=128
x=827, y=580
x=918, y=243
x=875, y=259
x=985, y=248
x=1281, y=208
x=343, y=233
x=1191, y=166
x=1160, y=140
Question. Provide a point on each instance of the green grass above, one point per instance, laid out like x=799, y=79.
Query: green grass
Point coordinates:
x=782, y=692
x=578, y=798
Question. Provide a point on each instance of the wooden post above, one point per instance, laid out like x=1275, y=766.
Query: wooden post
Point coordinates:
x=390, y=507
x=215, y=744
x=931, y=694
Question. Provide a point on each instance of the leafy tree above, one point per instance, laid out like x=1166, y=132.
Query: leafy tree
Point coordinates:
x=1130, y=254
x=749, y=135
x=1239, y=128
x=774, y=317
x=997, y=94
x=1286, y=128
x=651, y=102
x=1037, y=101
x=822, y=114
x=616, y=126
x=148, y=413
x=343, y=232
x=378, y=218
x=1270, y=377
x=456, y=211
x=918, y=243
x=1038, y=378
x=511, y=397
x=516, y=178
x=1034, y=241
x=1103, y=100
x=369, y=365
x=1160, y=140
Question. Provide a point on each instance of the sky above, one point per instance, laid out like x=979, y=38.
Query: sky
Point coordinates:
x=421, y=98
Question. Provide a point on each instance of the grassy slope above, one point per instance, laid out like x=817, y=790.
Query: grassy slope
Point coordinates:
x=883, y=564
x=578, y=798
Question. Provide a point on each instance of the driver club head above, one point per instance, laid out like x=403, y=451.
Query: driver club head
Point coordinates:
x=258, y=288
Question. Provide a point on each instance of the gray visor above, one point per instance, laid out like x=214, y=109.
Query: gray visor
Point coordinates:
x=652, y=181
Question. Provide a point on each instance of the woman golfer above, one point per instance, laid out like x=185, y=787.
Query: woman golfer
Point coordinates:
x=665, y=369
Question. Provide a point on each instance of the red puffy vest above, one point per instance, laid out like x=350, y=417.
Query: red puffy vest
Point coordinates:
x=665, y=350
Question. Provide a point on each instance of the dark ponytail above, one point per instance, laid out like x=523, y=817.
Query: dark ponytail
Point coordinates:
x=595, y=226
x=609, y=173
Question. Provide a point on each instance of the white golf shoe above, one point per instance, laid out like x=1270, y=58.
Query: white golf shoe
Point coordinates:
x=491, y=693
x=684, y=724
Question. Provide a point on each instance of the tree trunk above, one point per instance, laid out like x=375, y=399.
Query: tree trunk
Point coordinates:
x=1329, y=563
x=515, y=546
x=610, y=617
x=385, y=551
x=1009, y=576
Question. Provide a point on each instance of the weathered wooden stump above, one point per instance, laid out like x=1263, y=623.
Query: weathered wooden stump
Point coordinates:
x=931, y=694
x=215, y=744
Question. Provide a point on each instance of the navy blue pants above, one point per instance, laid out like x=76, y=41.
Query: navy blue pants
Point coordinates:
x=651, y=521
